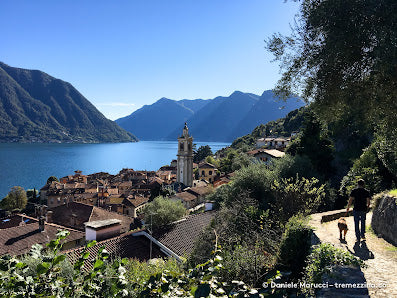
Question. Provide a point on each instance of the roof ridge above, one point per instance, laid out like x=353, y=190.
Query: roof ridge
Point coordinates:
x=104, y=241
x=110, y=211
x=46, y=223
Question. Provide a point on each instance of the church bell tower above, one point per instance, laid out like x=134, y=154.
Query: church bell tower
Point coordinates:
x=185, y=158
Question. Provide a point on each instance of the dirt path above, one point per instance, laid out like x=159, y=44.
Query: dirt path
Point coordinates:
x=379, y=255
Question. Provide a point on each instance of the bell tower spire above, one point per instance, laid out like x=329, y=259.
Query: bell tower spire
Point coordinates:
x=185, y=158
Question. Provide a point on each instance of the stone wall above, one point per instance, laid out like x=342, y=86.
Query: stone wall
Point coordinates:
x=384, y=218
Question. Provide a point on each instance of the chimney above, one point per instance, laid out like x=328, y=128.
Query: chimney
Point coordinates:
x=41, y=223
x=73, y=220
x=102, y=229
x=49, y=216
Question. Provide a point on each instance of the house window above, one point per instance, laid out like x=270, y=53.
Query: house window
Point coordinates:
x=181, y=146
x=210, y=172
x=189, y=146
x=202, y=173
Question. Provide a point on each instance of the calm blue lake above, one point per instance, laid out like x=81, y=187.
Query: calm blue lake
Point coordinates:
x=29, y=165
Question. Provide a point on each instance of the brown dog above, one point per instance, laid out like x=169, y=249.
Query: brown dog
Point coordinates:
x=342, y=225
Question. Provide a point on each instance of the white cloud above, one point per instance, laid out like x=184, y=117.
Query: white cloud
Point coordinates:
x=116, y=104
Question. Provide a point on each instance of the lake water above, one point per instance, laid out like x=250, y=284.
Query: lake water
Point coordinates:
x=29, y=165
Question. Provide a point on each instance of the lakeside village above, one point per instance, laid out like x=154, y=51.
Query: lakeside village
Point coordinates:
x=110, y=208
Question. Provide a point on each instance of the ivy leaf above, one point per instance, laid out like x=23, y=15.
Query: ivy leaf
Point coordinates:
x=59, y=259
x=42, y=268
x=91, y=244
x=98, y=264
x=20, y=265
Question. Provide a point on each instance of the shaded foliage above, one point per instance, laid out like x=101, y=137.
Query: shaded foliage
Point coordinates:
x=295, y=245
x=314, y=144
x=370, y=168
x=201, y=153
x=342, y=56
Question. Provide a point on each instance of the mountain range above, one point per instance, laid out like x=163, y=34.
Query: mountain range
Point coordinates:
x=221, y=119
x=36, y=107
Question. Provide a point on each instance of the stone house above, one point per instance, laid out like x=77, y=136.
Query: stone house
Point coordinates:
x=207, y=171
x=266, y=155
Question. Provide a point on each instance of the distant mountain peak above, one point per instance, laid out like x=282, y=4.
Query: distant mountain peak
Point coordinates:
x=236, y=93
x=164, y=99
x=219, y=119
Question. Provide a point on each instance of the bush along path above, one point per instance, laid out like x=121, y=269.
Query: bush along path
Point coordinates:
x=379, y=257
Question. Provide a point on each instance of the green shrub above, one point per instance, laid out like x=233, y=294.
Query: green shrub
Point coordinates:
x=114, y=278
x=162, y=211
x=295, y=245
x=322, y=259
x=296, y=195
x=247, y=263
x=368, y=167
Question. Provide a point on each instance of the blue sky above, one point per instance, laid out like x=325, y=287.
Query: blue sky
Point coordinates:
x=126, y=53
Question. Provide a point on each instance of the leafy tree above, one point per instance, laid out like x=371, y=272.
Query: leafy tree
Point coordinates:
x=212, y=161
x=296, y=196
x=342, y=56
x=290, y=166
x=201, y=153
x=234, y=161
x=256, y=180
x=52, y=178
x=162, y=211
x=32, y=195
x=341, y=53
x=370, y=168
x=386, y=149
x=16, y=199
x=314, y=143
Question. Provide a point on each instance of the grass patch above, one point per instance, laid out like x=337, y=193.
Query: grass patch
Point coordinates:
x=393, y=192
x=391, y=248
x=369, y=229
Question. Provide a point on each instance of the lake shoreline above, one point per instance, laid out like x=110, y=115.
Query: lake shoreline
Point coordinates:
x=30, y=164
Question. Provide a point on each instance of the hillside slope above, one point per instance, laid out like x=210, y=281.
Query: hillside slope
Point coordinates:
x=35, y=107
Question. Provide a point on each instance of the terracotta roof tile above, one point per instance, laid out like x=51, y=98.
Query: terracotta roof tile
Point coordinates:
x=186, y=196
x=206, y=165
x=14, y=221
x=200, y=190
x=18, y=240
x=181, y=236
x=124, y=246
x=75, y=214
x=137, y=200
